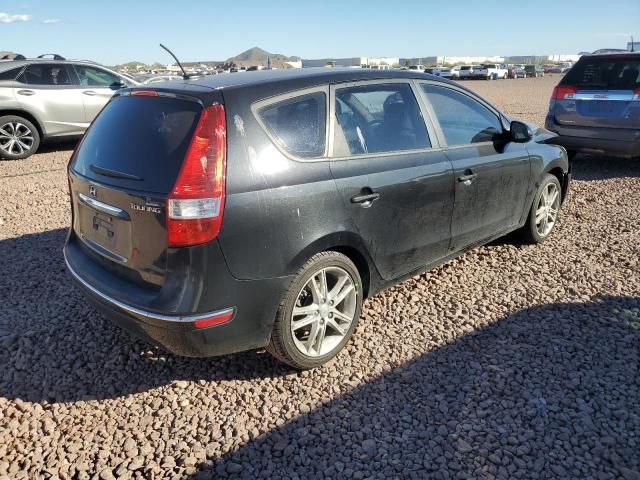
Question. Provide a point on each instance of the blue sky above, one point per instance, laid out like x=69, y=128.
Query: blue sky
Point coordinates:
x=115, y=31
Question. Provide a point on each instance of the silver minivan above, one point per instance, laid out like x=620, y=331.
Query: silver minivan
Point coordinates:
x=44, y=98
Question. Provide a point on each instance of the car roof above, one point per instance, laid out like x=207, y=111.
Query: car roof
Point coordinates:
x=308, y=76
x=9, y=64
x=612, y=54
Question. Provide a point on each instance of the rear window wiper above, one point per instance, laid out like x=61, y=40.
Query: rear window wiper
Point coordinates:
x=113, y=173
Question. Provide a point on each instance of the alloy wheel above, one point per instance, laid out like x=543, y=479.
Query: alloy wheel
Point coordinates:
x=16, y=138
x=324, y=311
x=547, y=209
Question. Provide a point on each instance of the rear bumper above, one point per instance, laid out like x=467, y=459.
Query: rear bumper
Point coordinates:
x=624, y=142
x=253, y=303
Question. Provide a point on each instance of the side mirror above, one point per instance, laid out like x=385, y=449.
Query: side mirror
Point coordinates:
x=520, y=132
x=118, y=85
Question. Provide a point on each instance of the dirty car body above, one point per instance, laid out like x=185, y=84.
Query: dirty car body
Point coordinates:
x=311, y=165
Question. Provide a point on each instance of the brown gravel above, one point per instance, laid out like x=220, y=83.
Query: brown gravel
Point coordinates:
x=510, y=362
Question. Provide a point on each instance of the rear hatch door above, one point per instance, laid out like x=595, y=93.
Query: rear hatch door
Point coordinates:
x=601, y=92
x=120, y=176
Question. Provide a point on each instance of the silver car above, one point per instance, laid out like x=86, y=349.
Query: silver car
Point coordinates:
x=41, y=99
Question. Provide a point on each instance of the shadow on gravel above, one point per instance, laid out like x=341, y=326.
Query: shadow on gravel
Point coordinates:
x=547, y=392
x=55, y=347
x=588, y=167
x=61, y=144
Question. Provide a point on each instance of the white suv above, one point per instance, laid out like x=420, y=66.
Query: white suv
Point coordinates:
x=42, y=98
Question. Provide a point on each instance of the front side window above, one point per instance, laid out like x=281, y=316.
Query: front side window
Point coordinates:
x=96, y=77
x=46, y=75
x=462, y=119
x=298, y=124
x=378, y=118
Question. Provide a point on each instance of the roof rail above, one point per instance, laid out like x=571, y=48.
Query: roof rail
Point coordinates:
x=16, y=56
x=54, y=55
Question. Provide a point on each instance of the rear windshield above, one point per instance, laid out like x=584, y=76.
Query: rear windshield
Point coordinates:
x=606, y=73
x=465, y=68
x=145, y=138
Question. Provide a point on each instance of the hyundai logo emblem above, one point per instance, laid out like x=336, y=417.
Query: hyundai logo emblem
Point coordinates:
x=92, y=191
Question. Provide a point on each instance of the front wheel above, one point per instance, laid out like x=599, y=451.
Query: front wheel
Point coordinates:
x=318, y=313
x=544, y=211
x=19, y=138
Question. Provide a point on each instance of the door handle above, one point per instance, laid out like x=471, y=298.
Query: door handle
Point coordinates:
x=27, y=93
x=366, y=199
x=89, y=92
x=468, y=176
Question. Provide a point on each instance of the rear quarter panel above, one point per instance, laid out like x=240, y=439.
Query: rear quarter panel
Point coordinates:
x=278, y=211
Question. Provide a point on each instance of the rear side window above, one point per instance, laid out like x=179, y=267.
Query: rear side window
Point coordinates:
x=46, y=75
x=378, y=118
x=143, y=137
x=608, y=73
x=298, y=124
x=462, y=119
x=10, y=74
x=95, y=77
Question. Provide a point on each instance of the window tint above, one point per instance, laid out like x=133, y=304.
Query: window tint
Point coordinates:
x=462, y=119
x=45, y=74
x=10, y=74
x=299, y=124
x=95, y=77
x=378, y=118
x=605, y=73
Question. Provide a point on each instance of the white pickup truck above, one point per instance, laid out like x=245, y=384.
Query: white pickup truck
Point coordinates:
x=488, y=70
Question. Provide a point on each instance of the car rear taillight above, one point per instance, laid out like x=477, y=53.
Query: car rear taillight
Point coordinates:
x=636, y=94
x=563, y=92
x=196, y=203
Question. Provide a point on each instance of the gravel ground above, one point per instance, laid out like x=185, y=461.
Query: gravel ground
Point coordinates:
x=510, y=362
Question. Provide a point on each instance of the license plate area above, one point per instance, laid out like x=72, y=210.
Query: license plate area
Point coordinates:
x=105, y=234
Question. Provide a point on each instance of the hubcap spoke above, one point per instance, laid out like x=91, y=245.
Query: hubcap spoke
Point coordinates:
x=341, y=330
x=308, y=320
x=313, y=308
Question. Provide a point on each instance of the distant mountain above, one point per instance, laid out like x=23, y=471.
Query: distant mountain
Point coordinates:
x=258, y=56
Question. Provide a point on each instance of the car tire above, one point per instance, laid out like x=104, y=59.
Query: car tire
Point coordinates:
x=545, y=207
x=331, y=320
x=19, y=138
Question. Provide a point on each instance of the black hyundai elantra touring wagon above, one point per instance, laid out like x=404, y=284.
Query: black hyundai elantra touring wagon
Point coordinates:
x=259, y=209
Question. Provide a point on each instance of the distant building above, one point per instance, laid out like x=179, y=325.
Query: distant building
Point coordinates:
x=451, y=60
x=558, y=57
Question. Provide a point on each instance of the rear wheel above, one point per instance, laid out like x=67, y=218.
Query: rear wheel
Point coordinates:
x=318, y=313
x=544, y=211
x=19, y=138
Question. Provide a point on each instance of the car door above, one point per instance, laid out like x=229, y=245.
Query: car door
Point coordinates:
x=491, y=175
x=396, y=187
x=49, y=91
x=97, y=86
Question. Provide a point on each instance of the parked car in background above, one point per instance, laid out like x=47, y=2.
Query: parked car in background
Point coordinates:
x=43, y=98
x=561, y=68
x=466, y=71
x=490, y=70
x=446, y=72
x=548, y=67
x=596, y=105
x=534, y=71
x=517, y=71
x=455, y=72
x=419, y=67
x=148, y=79
x=224, y=218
